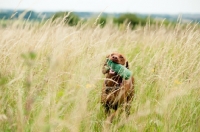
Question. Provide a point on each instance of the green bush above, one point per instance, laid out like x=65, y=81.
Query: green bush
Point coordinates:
x=70, y=19
x=131, y=19
x=102, y=21
x=96, y=21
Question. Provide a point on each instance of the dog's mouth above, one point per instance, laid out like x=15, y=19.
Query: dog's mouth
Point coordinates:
x=115, y=60
x=111, y=71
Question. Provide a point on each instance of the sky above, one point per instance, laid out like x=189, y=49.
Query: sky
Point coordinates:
x=114, y=6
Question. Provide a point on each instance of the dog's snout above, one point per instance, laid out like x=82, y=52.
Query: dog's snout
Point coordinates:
x=114, y=57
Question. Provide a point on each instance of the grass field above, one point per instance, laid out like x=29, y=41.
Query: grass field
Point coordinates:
x=51, y=80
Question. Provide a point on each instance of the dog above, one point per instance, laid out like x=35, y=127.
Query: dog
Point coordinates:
x=116, y=91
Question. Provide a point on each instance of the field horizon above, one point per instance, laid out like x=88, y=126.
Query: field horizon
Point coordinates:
x=51, y=80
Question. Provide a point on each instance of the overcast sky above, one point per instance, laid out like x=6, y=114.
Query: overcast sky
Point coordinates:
x=135, y=6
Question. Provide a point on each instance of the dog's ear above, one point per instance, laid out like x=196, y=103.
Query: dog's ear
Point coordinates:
x=127, y=66
x=107, y=56
x=105, y=68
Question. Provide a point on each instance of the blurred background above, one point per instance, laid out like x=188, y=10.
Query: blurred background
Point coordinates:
x=138, y=10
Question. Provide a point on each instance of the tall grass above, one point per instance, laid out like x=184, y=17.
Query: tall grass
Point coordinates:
x=51, y=80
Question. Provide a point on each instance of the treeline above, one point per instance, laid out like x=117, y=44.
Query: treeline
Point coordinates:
x=30, y=15
x=74, y=18
x=132, y=20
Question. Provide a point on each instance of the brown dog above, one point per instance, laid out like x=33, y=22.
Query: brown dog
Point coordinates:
x=116, y=90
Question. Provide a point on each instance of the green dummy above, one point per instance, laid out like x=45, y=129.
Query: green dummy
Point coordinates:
x=119, y=69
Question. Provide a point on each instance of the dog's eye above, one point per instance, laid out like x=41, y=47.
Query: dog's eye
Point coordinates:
x=121, y=56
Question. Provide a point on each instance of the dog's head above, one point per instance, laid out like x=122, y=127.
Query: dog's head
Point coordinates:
x=119, y=59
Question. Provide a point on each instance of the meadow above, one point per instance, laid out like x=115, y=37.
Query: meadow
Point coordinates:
x=51, y=79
